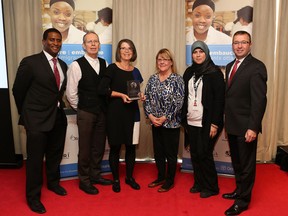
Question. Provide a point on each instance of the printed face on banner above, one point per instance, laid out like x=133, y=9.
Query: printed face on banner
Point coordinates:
x=202, y=17
x=217, y=28
x=88, y=15
x=61, y=14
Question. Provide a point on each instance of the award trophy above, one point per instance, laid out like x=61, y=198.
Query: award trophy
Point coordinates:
x=133, y=89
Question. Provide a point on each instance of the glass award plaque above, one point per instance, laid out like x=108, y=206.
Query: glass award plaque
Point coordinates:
x=133, y=89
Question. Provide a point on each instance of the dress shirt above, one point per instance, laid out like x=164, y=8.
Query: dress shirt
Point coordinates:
x=49, y=58
x=74, y=75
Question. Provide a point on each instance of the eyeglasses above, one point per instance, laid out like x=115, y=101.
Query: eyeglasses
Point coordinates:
x=126, y=49
x=164, y=60
x=241, y=42
x=92, y=42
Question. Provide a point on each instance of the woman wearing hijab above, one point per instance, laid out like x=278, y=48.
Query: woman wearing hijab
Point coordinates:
x=202, y=117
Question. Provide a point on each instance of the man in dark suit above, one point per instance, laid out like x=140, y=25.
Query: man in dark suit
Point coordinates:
x=244, y=109
x=84, y=76
x=38, y=90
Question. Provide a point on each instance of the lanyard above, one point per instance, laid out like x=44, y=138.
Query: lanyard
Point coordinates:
x=195, y=86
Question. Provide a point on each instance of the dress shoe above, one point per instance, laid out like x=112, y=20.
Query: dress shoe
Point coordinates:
x=195, y=189
x=230, y=195
x=37, y=206
x=206, y=194
x=88, y=188
x=132, y=183
x=116, y=186
x=101, y=181
x=58, y=190
x=156, y=183
x=165, y=187
x=235, y=210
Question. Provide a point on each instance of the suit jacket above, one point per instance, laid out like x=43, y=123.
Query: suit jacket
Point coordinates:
x=245, y=97
x=36, y=93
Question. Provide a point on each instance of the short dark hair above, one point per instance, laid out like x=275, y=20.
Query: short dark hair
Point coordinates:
x=105, y=14
x=242, y=33
x=132, y=46
x=70, y=2
x=47, y=31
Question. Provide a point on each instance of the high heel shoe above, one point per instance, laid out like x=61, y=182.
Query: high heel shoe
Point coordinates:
x=116, y=186
x=132, y=183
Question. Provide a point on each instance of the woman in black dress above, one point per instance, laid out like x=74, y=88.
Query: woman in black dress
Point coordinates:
x=123, y=112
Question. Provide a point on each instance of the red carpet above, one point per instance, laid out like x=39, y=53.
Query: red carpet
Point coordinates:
x=270, y=196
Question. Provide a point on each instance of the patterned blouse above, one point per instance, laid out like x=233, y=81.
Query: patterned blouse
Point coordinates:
x=165, y=99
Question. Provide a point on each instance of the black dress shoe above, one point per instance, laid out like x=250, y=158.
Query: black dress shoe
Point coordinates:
x=132, y=183
x=116, y=186
x=37, y=206
x=206, y=194
x=102, y=181
x=235, y=210
x=165, y=187
x=156, y=183
x=58, y=190
x=89, y=189
x=195, y=189
x=230, y=195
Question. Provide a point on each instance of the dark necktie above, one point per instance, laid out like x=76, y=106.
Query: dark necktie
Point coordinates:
x=233, y=72
x=56, y=72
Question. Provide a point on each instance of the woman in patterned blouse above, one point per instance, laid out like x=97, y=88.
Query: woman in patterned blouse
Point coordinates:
x=164, y=99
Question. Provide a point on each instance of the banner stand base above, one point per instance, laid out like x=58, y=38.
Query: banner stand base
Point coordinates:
x=17, y=163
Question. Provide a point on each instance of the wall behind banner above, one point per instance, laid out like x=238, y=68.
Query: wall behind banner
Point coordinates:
x=226, y=22
x=78, y=23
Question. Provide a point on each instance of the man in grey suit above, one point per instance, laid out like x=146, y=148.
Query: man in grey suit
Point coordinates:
x=245, y=105
x=38, y=90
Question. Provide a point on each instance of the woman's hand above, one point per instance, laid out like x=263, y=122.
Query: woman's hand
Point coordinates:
x=213, y=130
x=142, y=96
x=155, y=121
x=125, y=98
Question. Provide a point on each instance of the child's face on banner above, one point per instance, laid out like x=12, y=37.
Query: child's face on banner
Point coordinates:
x=202, y=18
x=61, y=14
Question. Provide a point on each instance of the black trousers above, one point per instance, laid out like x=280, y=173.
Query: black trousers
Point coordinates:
x=51, y=145
x=92, y=138
x=201, y=152
x=165, y=145
x=114, y=156
x=243, y=156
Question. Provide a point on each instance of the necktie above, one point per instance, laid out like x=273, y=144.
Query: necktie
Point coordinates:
x=56, y=72
x=233, y=72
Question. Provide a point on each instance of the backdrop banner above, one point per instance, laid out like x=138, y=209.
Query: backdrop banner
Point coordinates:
x=73, y=19
x=230, y=16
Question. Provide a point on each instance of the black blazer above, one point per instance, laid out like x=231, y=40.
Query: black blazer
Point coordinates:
x=245, y=100
x=36, y=93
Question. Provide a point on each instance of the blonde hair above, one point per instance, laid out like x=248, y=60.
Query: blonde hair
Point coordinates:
x=169, y=55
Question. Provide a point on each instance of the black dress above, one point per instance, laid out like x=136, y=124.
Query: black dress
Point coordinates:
x=120, y=116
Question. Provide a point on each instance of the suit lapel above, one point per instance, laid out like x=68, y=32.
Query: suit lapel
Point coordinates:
x=48, y=68
x=239, y=70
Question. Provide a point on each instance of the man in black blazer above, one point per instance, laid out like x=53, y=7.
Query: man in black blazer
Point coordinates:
x=244, y=109
x=38, y=96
